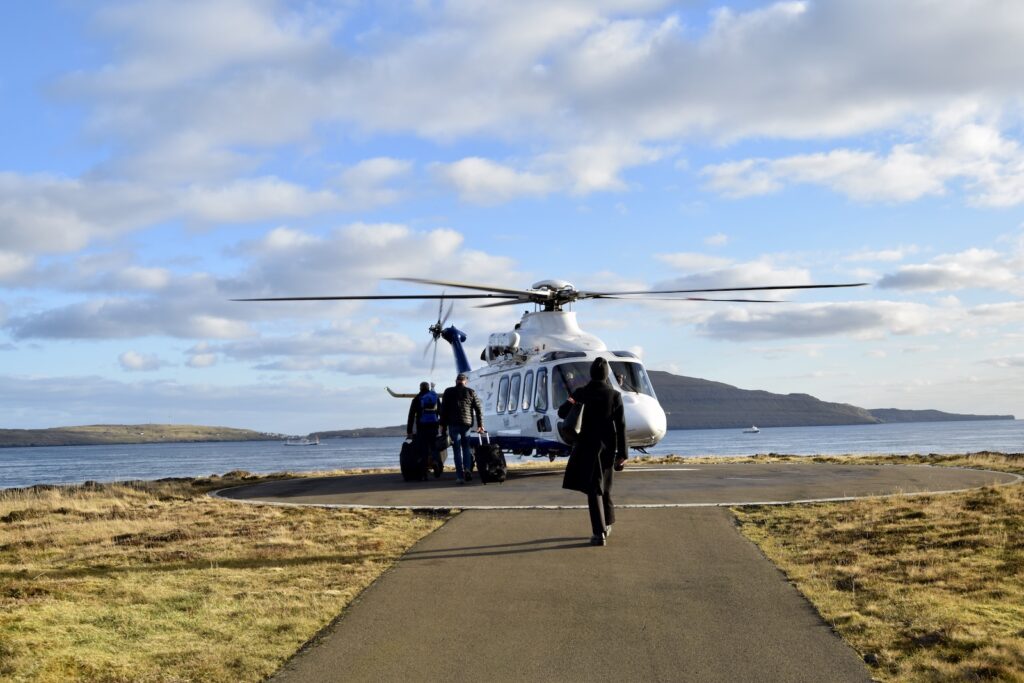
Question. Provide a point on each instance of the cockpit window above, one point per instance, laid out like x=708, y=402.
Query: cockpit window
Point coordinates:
x=567, y=378
x=631, y=377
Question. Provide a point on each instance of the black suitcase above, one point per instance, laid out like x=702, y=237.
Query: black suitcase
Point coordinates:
x=490, y=461
x=413, y=461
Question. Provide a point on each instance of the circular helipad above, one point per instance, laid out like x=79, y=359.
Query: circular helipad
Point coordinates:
x=649, y=486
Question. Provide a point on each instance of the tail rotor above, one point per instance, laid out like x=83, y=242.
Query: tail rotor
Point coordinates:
x=436, y=329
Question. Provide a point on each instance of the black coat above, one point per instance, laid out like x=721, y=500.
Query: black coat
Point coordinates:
x=602, y=437
x=459, y=406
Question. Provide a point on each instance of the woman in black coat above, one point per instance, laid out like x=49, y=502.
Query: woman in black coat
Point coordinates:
x=601, y=445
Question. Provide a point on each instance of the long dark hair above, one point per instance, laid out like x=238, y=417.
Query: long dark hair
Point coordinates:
x=599, y=370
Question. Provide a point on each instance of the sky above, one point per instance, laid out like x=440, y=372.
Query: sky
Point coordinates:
x=159, y=158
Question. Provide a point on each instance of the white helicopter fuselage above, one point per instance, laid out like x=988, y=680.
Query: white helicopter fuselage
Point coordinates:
x=530, y=371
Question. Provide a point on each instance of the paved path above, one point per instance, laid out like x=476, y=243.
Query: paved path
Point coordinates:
x=677, y=595
x=518, y=594
x=640, y=486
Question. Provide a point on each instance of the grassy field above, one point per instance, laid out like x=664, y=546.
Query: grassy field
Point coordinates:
x=927, y=588
x=158, y=582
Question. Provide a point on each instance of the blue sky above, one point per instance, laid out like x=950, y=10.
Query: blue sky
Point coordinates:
x=158, y=158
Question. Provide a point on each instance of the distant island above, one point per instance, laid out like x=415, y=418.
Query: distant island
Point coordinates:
x=689, y=402
x=693, y=403
x=88, y=435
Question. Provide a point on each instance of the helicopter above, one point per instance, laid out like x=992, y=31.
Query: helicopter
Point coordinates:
x=529, y=371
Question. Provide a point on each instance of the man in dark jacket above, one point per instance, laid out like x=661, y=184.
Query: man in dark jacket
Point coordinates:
x=425, y=415
x=600, y=447
x=461, y=406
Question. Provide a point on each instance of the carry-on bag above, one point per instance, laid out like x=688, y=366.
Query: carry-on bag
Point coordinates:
x=413, y=461
x=490, y=461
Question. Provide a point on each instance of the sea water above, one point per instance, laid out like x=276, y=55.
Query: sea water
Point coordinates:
x=76, y=464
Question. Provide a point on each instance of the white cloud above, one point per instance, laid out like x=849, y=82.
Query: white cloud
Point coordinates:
x=255, y=199
x=284, y=262
x=201, y=356
x=858, y=319
x=717, y=240
x=894, y=254
x=176, y=42
x=45, y=213
x=693, y=262
x=760, y=273
x=482, y=181
x=366, y=183
x=1016, y=361
x=972, y=152
x=12, y=265
x=133, y=361
x=972, y=268
x=124, y=318
x=596, y=167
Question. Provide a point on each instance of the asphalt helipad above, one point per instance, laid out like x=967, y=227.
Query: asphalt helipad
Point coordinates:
x=510, y=589
x=653, y=486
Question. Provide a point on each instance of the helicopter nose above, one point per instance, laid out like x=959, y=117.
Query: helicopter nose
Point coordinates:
x=645, y=420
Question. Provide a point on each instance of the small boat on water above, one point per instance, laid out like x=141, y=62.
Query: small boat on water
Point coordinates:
x=753, y=430
x=315, y=441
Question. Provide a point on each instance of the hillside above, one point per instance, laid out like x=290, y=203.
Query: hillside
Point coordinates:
x=897, y=415
x=119, y=434
x=693, y=403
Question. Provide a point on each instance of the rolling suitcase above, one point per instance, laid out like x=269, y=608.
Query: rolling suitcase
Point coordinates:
x=413, y=461
x=490, y=461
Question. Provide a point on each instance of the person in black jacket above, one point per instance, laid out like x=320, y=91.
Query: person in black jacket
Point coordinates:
x=600, y=447
x=425, y=416
x=460, y=406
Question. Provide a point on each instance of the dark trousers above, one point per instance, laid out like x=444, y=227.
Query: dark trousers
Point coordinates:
x=427, y=434
x=602, y=503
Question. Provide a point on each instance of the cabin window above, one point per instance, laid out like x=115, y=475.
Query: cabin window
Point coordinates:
x=541, y=403
x=502, y=395
x=631, y=377
x=567, y=378
x=527, y=390
x=513, y=393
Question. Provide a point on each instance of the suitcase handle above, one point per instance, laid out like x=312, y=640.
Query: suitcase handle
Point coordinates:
x=481, y=435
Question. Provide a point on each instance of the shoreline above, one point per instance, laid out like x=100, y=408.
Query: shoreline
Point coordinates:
x=359, y=433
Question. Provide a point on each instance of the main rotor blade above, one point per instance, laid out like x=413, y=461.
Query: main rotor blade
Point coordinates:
x=513, y=302
x=684, y=298
x=465, y=285
x=598, y=295
x=379, y=297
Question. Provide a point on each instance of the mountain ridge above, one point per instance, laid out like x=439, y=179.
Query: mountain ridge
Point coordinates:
x=694, y=403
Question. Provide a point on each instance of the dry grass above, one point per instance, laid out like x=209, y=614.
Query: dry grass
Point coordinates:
x=926, y=589
x=158, y=582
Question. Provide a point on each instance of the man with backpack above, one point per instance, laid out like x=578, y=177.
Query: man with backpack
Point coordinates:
x=460, y=406
x=425, y=414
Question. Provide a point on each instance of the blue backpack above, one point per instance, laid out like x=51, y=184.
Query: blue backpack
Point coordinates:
x=428, y=408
